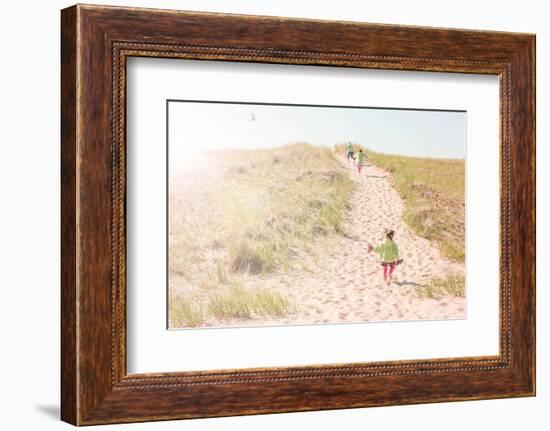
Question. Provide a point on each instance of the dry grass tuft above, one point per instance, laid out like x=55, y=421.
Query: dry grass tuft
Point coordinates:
x=185, y=312
x=451, y=284
x=239, y=303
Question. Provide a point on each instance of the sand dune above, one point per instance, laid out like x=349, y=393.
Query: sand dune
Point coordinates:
x=344, y=283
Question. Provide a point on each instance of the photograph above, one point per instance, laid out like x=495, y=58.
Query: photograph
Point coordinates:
x=302, y=214
x=286, y=214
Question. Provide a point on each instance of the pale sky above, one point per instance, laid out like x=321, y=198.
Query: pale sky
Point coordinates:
x=206, y=126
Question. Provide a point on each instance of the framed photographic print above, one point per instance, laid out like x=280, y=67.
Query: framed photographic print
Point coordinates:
x=264, y=214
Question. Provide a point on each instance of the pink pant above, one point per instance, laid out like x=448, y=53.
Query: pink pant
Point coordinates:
x=388, y=270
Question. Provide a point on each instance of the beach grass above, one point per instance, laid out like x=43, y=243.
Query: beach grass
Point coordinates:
x=185, y=312
x=237, y=302
x=233, y=302
x=452, y=284
x=251, y=213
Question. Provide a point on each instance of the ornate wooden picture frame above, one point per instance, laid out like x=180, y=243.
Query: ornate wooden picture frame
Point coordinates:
x=96, y=41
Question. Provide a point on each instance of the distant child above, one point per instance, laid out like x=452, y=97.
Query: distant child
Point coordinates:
x=350, y=151
x=360, y=159
x=389, y=255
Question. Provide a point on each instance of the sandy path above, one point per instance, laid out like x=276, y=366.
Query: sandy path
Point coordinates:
x=345, y=284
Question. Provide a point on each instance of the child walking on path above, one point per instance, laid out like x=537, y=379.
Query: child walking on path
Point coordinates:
x=350, y=150
x=360, y=158
x=389, y=255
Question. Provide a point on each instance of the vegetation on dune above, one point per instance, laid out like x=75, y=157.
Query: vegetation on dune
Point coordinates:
x=451, y=284
x=185, y=312
x=254, y=213
x=233, y=302
x=433, y=191
x=240, y=303
x=265, y=206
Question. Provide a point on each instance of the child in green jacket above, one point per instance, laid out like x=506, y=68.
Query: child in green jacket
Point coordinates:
x=360, y=159
x=350, y=150
x=389, y=255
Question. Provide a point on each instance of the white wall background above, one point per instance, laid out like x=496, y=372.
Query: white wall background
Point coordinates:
x=29, y=215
